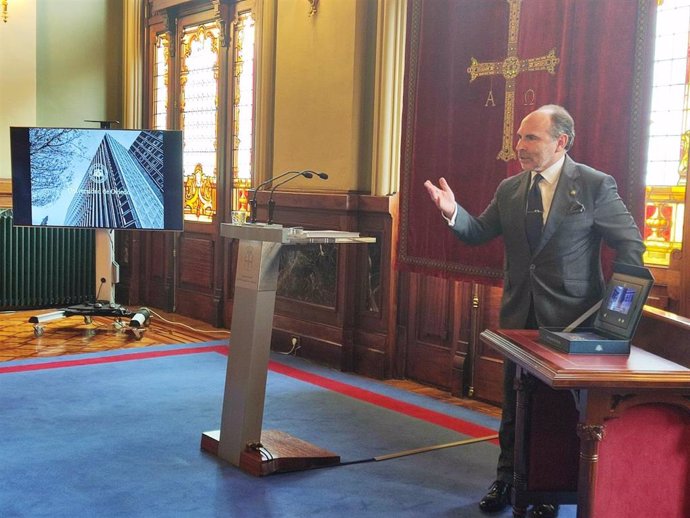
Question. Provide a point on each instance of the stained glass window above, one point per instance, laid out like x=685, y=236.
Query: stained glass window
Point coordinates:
x=198, y=119
x=160, y=82
x=669, y=134
x=243, y=110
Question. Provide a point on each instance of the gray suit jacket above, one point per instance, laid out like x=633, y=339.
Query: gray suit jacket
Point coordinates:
x=564, y=275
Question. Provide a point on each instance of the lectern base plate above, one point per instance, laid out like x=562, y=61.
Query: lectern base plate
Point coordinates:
x=279, y=453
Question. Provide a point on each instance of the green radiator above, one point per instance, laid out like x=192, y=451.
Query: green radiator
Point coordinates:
x=44, y=266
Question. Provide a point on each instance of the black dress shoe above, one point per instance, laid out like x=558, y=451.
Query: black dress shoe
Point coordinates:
x=545, y=511
x=497, y=498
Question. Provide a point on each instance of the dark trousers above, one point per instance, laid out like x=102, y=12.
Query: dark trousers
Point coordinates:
x=506, y=431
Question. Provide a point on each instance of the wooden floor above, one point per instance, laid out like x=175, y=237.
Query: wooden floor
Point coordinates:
x=73, y=335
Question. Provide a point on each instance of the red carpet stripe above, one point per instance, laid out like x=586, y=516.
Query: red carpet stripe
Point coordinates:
x=431, y=416
x=437, y=418
x=112, y=359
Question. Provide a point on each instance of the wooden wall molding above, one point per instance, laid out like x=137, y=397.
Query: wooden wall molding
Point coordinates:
x=355, y=331
x=5, y=193
x=356, y=334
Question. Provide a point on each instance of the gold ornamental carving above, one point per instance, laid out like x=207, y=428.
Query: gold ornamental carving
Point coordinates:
x=590, y=432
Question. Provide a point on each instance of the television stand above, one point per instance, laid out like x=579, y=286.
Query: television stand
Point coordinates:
x=139, y=320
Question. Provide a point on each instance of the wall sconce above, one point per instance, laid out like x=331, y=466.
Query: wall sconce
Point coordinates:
x=4, y=11
x=313, y=6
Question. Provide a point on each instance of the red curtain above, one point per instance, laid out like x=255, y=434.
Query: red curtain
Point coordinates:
x=454, y=127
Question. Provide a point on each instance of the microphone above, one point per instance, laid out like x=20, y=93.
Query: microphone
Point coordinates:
x=252, y=203
x=271, y=201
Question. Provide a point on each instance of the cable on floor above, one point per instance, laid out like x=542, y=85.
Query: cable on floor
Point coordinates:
x=222, y=331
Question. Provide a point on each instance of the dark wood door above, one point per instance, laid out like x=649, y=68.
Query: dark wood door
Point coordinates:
x=440, y=321
x=429, y=350
x=486, y=382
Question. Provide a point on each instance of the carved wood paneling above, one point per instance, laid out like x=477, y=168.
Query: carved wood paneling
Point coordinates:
x=462, y=338
x=664, y=334
x=376, y=288
x=198, y=262
x=352, y=327
x=159, y=270
x=195, y=260
x=181, y=272
x=487, y=365
x=428, y=348
x=146, y=268
x=439, y=329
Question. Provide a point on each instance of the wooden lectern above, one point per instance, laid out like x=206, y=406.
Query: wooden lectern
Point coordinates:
x=608, y=432
x=240, y=440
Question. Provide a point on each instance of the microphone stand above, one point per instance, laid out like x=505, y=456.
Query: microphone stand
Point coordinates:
x=271, y=201
x=252, y=202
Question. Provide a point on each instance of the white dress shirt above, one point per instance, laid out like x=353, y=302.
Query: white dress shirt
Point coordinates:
x=547, y=187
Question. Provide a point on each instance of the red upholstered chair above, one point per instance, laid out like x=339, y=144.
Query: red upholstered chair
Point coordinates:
x=644, y=463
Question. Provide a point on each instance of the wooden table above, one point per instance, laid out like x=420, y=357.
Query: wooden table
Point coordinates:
x=569, y=405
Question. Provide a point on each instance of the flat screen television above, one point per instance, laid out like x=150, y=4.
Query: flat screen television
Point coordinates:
x=97, y=178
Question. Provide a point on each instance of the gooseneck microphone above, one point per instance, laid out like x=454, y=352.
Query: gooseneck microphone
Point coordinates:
x=271, y=201
x=252, y=202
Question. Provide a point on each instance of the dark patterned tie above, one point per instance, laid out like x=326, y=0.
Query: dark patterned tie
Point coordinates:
x=534, y=219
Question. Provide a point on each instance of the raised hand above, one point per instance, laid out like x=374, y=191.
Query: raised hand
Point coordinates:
x=442, y=196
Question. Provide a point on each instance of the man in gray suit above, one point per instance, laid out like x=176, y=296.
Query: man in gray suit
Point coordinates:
x=552, y=273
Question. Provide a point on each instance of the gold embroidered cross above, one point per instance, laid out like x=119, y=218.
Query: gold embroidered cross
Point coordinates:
x=510, y=67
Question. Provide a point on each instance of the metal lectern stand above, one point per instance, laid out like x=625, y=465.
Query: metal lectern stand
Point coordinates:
x=240, y=440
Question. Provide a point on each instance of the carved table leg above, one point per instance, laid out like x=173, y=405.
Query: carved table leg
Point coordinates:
x=590, y=438
x=524, y=386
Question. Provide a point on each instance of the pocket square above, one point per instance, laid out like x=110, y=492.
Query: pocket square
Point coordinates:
x=576, y=208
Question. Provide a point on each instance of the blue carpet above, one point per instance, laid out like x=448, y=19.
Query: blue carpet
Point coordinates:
x=121, y=439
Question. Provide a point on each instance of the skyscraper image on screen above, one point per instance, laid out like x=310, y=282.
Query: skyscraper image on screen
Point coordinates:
x=122, y=187
x=119, y=179
x=621, y=299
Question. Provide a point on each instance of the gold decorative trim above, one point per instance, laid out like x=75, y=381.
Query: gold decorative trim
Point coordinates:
x=406, y=170
x=313, y=7
x=591, y=432
x=641, y=101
